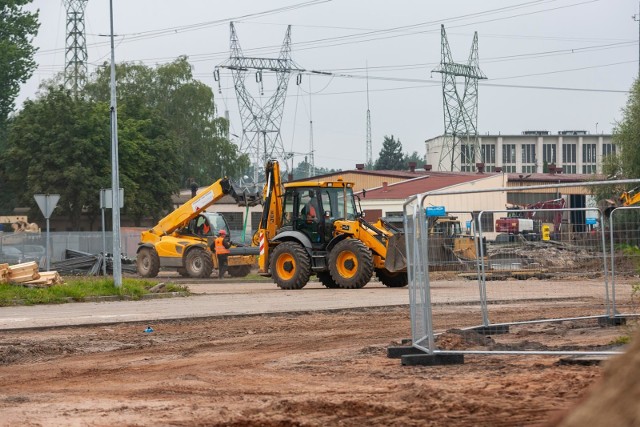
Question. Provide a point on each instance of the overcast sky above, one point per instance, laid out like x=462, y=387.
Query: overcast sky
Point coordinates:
x=551, y=64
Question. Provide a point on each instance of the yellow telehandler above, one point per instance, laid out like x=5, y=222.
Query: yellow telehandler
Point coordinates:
x=183, y=240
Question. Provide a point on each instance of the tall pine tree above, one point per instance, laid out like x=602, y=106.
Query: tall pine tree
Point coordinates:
x=391, y=156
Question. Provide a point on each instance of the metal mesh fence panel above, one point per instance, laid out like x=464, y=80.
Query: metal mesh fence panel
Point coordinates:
x=624, y=243
x=552, y=265
x=417, y=273
x=32, y=245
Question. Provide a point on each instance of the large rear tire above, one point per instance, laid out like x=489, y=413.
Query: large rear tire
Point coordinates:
x=148, y=262
x=325, y=278
x=351, y=264
x=392, y=280
x=239, y=270
x=290, y=266
x=198, y=263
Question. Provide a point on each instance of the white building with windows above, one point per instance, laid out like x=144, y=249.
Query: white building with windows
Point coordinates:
x=572, y=151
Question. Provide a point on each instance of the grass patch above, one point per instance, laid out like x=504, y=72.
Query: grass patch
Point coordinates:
x=622, y=340
x=79, y=290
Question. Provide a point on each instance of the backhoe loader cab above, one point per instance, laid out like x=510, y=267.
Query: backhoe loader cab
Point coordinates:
x=313, y=211
x=313, y=227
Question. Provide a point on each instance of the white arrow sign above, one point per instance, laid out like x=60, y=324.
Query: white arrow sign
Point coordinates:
x=47, y=203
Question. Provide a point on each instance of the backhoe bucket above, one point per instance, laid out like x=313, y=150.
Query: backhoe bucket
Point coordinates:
x=396, y=259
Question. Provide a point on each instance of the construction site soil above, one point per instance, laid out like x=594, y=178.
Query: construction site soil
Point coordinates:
x=295, y=369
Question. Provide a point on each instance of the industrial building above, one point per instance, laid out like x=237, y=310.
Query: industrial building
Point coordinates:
x=568, y=152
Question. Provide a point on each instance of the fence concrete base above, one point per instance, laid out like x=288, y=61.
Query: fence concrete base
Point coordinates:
x=491, y=329
x=396, y=352
x=611, y=321
x=432, y=359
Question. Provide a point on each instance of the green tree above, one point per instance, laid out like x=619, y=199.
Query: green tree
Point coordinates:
x=17, y=31
x=62, y=144
x=391, y=156
x=188, y=109
x=413, y=157
x=626, y=135
x=58, y=145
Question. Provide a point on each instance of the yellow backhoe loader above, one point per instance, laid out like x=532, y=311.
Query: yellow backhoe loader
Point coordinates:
x=313, y=227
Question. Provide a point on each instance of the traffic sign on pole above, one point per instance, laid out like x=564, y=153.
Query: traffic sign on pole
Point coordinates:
x=47, y=203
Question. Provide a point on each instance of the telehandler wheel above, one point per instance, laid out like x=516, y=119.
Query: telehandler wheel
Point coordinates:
x=148, y=262
x=290, y=266
x=351, y=264
x=392, y=280
x=325, y=278
x=198, y=263
x=239, y=270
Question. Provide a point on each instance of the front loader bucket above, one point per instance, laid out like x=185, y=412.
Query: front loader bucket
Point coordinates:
x=396, y=259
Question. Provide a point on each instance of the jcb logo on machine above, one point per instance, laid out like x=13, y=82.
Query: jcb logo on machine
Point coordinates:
x=345, y=228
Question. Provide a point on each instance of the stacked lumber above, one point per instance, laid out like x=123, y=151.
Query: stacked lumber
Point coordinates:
x=4, y=273
x=47, y=278
x=27, y=274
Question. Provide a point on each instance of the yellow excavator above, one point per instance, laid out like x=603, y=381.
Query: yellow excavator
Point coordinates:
x=626, y=198
x=183, y=240
x=629, y=198
x=336, y=243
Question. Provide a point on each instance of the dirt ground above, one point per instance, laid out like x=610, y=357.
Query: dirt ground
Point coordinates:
x=307, y=369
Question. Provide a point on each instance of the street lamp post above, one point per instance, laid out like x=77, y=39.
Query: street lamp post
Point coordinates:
x=115, y=184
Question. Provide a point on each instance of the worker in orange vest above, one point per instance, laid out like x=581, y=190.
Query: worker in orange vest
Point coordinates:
x=221, y=246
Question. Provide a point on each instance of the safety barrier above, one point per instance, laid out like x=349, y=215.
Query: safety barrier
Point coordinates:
x=532, y=275
x=624, y=247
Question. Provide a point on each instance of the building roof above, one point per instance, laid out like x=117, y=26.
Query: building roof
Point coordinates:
x=432, y=181
x=529, y=135
x=378, y=173
x=522, y=178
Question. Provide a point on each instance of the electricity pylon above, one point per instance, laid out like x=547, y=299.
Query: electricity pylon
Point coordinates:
x=460, y=140
x=261, y=123
x=75, y=57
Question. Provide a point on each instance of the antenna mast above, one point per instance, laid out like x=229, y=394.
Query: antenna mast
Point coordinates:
x=75, y=68
x=369, y=149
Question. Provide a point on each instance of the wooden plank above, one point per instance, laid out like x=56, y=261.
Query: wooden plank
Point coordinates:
x=24, y=265
x=48, y=278
x=24, y=278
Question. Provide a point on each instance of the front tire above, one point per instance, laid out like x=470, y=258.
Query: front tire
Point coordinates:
x=392, y=280
x=198, y=263
x=148, y=262
x=351, y=264
x=290, y=266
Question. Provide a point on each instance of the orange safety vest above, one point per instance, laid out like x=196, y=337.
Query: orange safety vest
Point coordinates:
x=220, y=249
